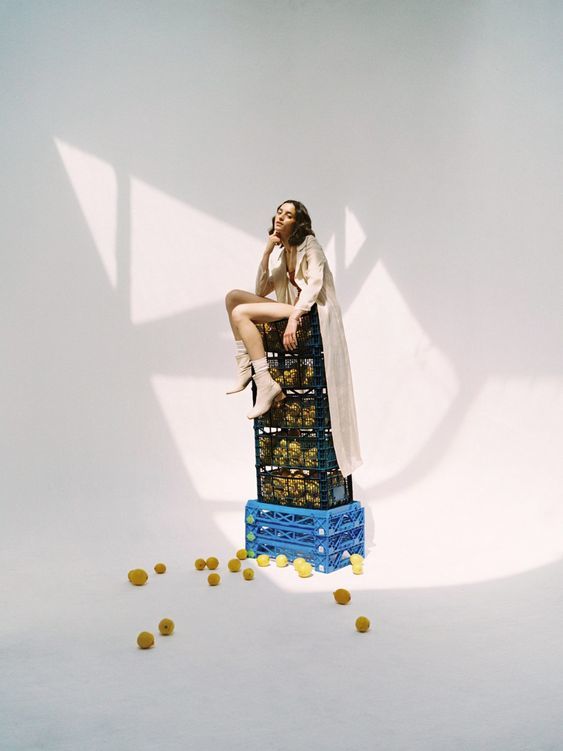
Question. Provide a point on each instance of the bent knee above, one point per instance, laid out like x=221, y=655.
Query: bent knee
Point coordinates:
x=239, y=312
x=234, y=297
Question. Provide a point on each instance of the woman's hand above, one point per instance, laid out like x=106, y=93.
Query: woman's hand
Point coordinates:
x=273, y=241
x=290, y=333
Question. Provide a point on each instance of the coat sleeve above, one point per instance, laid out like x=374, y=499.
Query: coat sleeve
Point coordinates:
x=316, y=262
x=264, y=282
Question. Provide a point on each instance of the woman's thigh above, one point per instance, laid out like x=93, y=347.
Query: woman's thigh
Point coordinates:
x=240, y=297
x=264, y=312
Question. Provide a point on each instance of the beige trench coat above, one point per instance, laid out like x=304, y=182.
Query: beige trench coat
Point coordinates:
x=314, y=278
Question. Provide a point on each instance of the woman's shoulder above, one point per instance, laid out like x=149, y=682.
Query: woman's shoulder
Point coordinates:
x=310, y=242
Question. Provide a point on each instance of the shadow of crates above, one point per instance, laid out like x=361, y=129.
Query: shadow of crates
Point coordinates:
x=326, y=539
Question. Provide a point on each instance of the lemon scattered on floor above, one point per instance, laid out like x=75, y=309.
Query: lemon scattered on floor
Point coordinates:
x=145, y=640
x=129, y=574
x=212, y=563
x=281, y=561
x=356, y=558
x=234, y=565
x=357, y=568
x=342, y=596
x=248, y=574
x=200, y=564
x=138, y=577
x=298, y=562
x=213, y=580
x=241, y=554
x=305, y=570
x=166, y=626
x=263, y=560
x=362, y=624
x=160, y=568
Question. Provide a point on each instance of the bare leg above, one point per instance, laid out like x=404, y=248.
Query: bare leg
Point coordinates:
x=244, y=317
x=238, y=297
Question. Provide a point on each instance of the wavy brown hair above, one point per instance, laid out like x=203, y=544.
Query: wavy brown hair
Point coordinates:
x=302, y=223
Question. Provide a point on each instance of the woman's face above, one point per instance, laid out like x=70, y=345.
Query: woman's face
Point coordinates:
x=284, y=221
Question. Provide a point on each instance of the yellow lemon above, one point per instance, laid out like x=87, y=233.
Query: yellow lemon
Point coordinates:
x=166, y=626
x=212, y=563
x=248, y=574
x=213, y=580
x=145, y=640
x=281, y=561
x=305, y=570
x=362, y=624
x=297, y=563
x=241, y=554
x=234, y=565
x=129, y=574
x=263, y=560
x=138, y=577
x=342, y=596
x=160, y=568
x=200, y=564
x=356, y=558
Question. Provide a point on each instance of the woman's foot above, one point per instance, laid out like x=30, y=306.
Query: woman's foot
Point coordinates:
x=268, y=392
x=244, y=373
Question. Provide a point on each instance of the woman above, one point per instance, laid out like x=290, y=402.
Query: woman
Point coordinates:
x=300, y=278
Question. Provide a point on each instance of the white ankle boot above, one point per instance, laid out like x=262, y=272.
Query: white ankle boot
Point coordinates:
x=244, y=373
x=268, y=392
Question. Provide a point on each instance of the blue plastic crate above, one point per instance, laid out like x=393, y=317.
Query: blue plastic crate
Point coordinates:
x=304, y=409
x=303, y=488
x=318, y=523
x=300, y=538
x=308, y=334
x=295, y=448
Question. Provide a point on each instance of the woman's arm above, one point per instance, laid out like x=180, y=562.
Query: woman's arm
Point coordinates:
x=264, y=280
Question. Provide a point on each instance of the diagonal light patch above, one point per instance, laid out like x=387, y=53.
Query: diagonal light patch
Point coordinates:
x=404, y=385
x=354, y=236
x=181, y=257
x=492, y=506
x=216, y=452
x=95, y=185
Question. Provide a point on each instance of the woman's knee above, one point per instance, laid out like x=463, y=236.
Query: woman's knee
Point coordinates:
x=233, y=297
x=238, y=313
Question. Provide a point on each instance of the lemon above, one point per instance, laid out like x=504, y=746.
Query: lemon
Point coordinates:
x=357, y=568
x=212, y=563
x=362, y=624
x=248, y=574
x=281, y=561
x=342, y=596
x=298, y=562
x=145, y=640
x=138, y=577
x=241, y=554
x=356, y=558
x=160, y=568
x=305, y=570
x=263, y=560
x=166, y=626
x=213, y=580
x=200, y=564
x=234, y=565
x=129, y=574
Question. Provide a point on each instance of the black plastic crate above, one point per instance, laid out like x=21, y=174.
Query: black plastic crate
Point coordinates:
x=305, y=409
x=316, y=489
x=295, y=448
x=308, y=334
x=298, y=371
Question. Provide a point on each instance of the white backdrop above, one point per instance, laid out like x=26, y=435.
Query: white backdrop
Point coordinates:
x=144, y=148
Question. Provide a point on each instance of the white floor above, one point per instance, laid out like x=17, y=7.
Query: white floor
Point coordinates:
x=268, y=664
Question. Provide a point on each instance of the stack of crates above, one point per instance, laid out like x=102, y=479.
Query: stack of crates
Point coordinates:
x=305, y=507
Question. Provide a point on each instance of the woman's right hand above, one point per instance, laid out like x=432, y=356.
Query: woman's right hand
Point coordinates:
x=273, y=241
